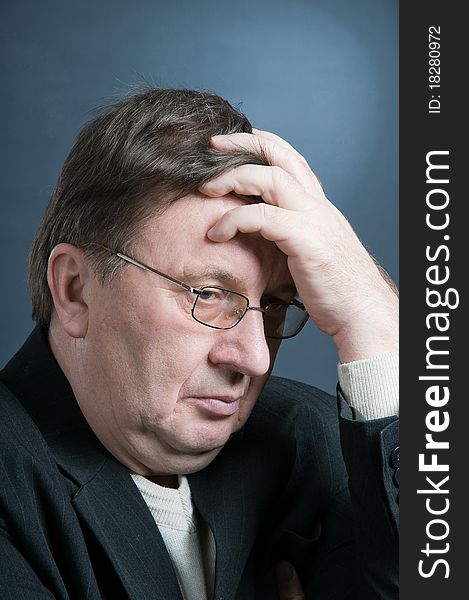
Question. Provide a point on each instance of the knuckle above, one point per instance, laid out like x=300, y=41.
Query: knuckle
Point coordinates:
x=303, y=162
x=264, y=210
x=280, y=178
x=295, y=161
x=292, y=160
x=232, y=215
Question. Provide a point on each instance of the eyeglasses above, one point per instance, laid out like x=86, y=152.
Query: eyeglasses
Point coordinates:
x=219, y=308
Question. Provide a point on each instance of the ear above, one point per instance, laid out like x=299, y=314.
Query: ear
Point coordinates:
x=68, y=275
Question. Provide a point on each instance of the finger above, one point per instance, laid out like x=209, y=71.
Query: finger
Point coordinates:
x=273, y=137
x=272, y=223
x=251, y=218
x=273, y=184
x=277, y=154
x=278, y=140
x=288, y=583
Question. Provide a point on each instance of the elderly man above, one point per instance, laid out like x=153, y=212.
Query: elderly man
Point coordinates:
x=146, y=451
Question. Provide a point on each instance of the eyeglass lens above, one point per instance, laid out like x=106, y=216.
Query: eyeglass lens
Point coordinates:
x=219, y=308
x=223, y=309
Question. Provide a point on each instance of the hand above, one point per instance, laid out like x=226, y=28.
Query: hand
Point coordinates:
x=338, y=281
x=288, y=582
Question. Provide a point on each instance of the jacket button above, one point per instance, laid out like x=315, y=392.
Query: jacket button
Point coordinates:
x=395, y=457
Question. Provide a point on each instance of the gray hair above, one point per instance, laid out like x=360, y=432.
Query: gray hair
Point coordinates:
x=130, y=163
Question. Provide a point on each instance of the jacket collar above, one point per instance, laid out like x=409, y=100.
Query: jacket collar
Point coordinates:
x=108, y=501
x=36, y=379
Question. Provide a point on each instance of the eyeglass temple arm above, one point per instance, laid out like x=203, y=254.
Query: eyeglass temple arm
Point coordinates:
x=265, y=309
x=193, y=290
x=141, y=265
x=137, y=263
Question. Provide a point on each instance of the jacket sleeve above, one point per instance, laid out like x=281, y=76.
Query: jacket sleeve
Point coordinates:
x=355, y=555
x=371, y=455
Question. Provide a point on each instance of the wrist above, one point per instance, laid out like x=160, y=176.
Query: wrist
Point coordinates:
x=374, y=336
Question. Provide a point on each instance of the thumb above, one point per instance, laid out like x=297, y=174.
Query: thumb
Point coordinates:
x=288, y=582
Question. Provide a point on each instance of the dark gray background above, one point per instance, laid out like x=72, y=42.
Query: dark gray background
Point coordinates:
x=321, y=73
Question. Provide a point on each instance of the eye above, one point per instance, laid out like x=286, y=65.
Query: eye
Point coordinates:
x=206, y=295
x=212, y=295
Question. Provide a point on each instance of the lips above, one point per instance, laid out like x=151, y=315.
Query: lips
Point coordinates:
x=219, y=405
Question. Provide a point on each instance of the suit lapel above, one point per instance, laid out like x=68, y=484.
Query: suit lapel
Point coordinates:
x=116, y=515
x=225, y=512
x=232, y=495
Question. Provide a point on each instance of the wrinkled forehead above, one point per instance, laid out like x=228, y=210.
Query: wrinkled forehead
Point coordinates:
x=178, y=240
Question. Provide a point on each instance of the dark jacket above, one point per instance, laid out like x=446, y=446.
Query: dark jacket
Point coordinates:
x=74, y=525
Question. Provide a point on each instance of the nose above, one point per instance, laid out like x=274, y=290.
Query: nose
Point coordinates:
x=244, y=347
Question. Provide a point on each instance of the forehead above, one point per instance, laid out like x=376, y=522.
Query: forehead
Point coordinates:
x=177, y=241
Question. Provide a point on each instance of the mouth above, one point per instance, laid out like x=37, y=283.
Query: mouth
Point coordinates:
x=222, y=406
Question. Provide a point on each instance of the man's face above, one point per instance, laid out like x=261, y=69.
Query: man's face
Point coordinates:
x=164, y=392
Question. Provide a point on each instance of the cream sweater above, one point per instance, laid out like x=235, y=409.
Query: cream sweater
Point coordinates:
x=187, y=537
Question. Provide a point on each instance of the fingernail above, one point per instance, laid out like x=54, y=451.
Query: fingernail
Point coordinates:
x=214, y=234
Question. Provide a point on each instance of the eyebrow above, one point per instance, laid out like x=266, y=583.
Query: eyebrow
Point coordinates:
x=213, y=272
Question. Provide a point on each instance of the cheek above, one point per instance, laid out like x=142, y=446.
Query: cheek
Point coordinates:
x=143, y=359
x=158, y=368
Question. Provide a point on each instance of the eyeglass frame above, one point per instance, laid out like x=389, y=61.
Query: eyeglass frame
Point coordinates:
x=199, y=290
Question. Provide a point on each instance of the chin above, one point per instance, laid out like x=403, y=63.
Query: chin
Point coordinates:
x=204, y=442
x=185, y=463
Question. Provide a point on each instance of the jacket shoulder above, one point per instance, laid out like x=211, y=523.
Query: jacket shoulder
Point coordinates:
x=290, y=399
x=18, y=431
